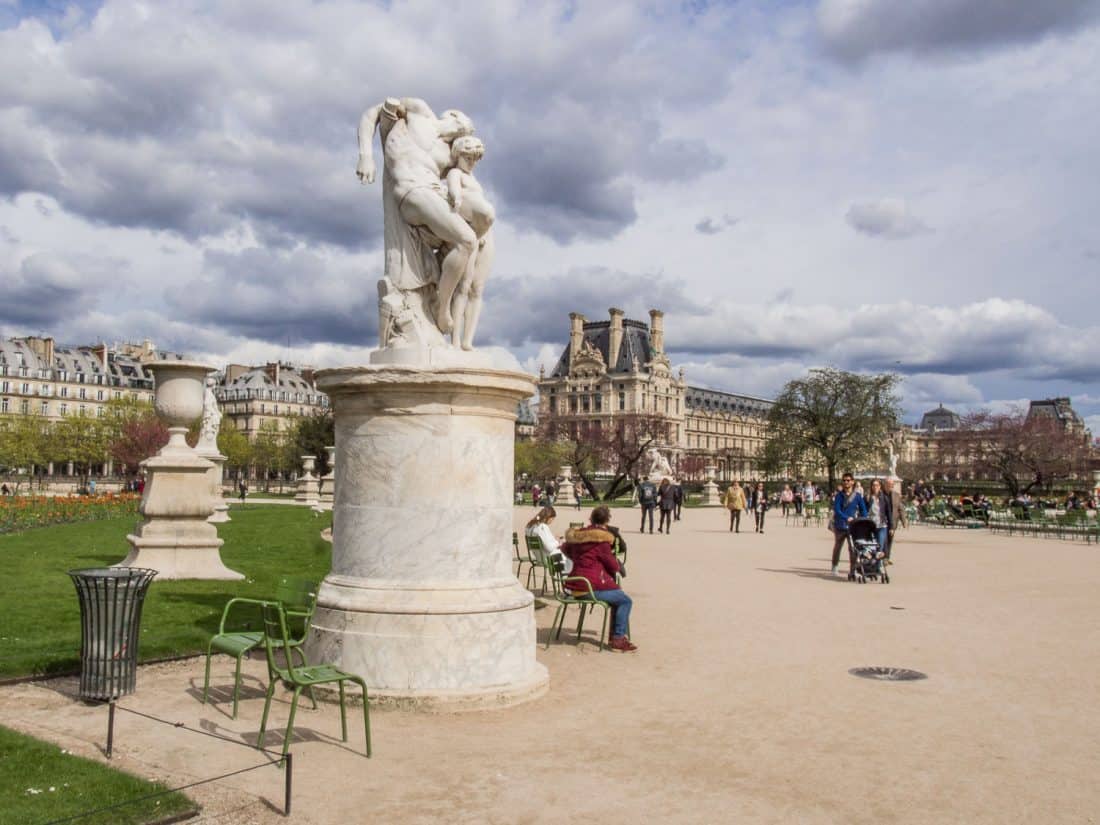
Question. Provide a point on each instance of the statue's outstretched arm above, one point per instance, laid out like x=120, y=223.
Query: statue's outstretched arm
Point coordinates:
x=367, y=125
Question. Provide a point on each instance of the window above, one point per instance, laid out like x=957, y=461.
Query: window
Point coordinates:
x=25, y=406
x=4, y=405
x=584, y=403
x=622, y=400
x=45, y=408
x=99, y=412
x=597, y=401
x=118, y=395
x=83, y=410
x=26, y=389
x=64, y=409
x=64, y=392
x=4, y=387
x=99, y=395
x=83, y=393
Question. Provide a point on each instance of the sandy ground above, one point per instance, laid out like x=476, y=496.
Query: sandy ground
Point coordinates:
x=738, y=706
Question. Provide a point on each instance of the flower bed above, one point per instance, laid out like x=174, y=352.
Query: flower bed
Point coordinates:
x=25, y=512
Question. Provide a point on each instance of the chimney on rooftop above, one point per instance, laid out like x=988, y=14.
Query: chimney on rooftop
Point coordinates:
x=657, y=331
x=576, y=335
x=615, y=339
x=272, y=370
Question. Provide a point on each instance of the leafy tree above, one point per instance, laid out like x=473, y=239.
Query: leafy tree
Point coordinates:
x=310, y=434
x=831, y=417
x=82, y=439
x=540, y=458
x=272, y=451
x=24, y=440
x=234, y=445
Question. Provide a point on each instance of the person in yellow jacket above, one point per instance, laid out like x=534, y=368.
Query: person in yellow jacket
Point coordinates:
x=735, y=503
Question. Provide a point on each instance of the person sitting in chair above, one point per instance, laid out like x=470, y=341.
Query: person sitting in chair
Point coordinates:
x=590, y=549
x=539, y=528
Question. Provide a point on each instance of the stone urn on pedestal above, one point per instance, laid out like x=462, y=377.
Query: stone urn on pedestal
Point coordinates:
x=711, y=496
x=176, y=539
x=328, y=481
x=566, y=495
x=308, y=491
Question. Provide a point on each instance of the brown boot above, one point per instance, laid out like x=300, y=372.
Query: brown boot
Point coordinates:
x=622, y=643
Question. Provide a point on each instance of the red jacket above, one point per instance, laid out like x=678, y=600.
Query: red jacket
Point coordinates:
x=590, y=550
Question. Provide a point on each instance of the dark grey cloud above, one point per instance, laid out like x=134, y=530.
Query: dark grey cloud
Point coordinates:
x=885, y=218
x=520, y=310
x=713, y=226
x=280, y=296
x=44, y=289
x=853, y=31
x=208, y=121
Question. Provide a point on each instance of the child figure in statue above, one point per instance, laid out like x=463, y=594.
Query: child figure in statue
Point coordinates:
x=468, y=201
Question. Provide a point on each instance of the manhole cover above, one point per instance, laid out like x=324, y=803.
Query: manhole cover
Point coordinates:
x=888, y=674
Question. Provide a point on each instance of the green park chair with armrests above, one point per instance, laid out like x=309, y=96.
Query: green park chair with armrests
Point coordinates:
x=585, y=599
x=277, y=638
x=298, y=596
x=537, y=555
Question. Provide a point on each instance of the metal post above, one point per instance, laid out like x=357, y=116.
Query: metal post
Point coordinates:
x=110, y=727
x=289, y=776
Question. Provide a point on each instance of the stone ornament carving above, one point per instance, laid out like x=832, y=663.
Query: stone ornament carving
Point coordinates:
x=437, y=223
x=658, y=465
x=211, y=418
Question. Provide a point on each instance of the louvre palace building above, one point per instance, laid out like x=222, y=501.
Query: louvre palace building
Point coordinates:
x=617, y=369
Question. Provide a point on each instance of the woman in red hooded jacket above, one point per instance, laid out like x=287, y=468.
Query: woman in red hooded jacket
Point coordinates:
x=590, y=550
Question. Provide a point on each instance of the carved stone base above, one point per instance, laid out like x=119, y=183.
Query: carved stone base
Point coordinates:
x=176, y=539
x=711, y=496
x=421, y=601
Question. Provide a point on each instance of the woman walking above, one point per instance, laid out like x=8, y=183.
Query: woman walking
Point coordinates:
x=759, y=505
x=666, y=497
x=735, y=503
x=879, y=511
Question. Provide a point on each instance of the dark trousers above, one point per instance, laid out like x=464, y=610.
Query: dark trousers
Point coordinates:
x=735, y=521
x=666, y=521
x=759, y=514
x=840, y=538
x=678, y=506
x=889, y=543
x=647, y=510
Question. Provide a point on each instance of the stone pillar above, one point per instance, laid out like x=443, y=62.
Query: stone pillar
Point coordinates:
x=49, y=469
x=175, y=539
x=711, y=496
x=565, y=486
x=421, y=600
x=308, y=486
x=69, y=469
x=328, y=481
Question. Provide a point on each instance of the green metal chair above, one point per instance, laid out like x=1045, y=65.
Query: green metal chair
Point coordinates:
x=555, y=570
x=536, y=554
x=299, y=596
x=277, y=637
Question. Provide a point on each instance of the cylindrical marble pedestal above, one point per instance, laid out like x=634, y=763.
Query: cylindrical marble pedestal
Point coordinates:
x=421, y=601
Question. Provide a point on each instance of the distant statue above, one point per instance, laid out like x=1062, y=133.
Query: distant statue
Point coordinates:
x=438, y=244
x=893, y=459
x=211, y=418
x=658, y=464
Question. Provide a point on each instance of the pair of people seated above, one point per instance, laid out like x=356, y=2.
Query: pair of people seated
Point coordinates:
x=587, y=553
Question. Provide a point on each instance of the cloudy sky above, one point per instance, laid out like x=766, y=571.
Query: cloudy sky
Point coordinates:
x=861, y=183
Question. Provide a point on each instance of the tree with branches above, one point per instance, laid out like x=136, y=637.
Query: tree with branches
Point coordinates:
x=831, y=417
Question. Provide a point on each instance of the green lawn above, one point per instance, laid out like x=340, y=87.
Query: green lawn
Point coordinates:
x=40, y=783
x=40, y=616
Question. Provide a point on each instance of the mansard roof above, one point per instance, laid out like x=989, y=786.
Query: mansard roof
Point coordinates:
x=701, y=398
x=597, y=334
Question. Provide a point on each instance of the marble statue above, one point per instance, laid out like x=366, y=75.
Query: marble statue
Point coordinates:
x=437, y=223
x=658, y=465
x=211, y=417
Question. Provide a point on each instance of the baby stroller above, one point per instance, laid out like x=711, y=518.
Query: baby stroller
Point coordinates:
x=869, y=558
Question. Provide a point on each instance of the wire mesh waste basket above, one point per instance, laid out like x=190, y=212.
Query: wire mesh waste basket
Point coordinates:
x=111, y=599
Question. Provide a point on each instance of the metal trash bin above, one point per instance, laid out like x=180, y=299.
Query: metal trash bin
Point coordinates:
x=111, y=599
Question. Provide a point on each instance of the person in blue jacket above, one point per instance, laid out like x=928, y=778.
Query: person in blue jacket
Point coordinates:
x=848, y=504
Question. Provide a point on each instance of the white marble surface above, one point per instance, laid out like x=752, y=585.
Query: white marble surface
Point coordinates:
x=176, y=539
x=421, y=600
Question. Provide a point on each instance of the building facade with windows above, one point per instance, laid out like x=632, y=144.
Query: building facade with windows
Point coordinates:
x=268, y=397
x=41, y=378
x=614, y=369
